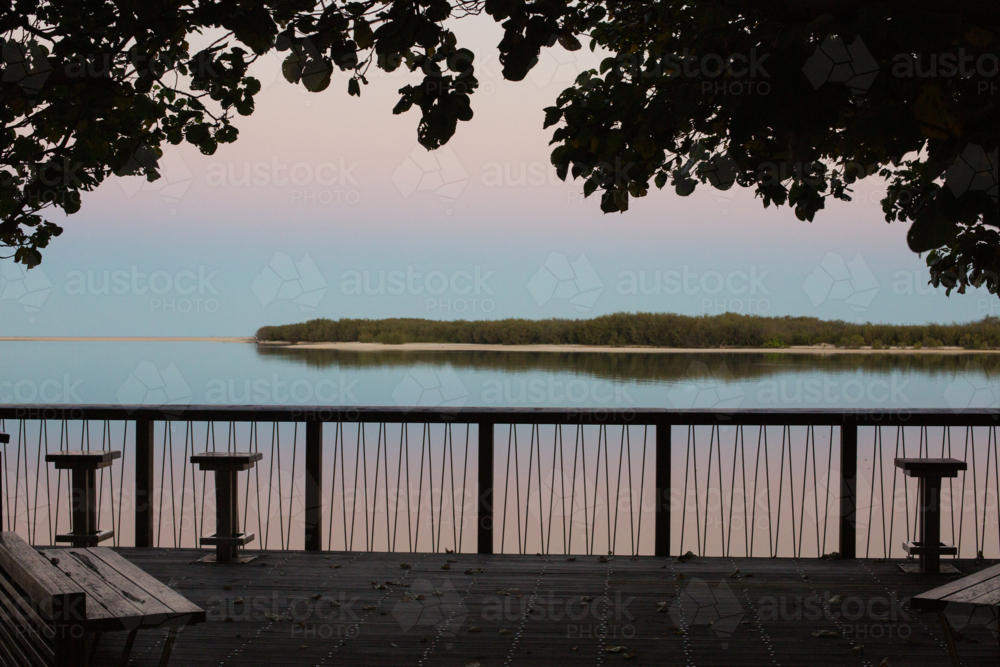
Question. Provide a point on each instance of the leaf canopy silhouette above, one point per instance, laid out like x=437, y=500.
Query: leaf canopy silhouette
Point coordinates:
x=797, y=101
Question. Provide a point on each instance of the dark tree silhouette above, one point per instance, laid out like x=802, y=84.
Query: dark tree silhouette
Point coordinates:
x=797, y=100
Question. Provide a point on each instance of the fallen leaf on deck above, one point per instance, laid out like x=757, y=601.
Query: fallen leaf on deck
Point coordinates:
x=614, y=649
x=369, y=607
x=824, y=633
x=405, y=566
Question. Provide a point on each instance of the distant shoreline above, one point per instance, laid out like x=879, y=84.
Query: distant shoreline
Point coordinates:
x=124, y=339
x=472, y=347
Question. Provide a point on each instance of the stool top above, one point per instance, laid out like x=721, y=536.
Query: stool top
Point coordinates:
x=75, y=458
x=227, y=460
x=4, y=438
x=930, y=467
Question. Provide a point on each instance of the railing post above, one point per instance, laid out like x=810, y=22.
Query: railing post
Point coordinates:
x=144, y=483
x=314, y=486
x=848, y=489
x=4, y=440
x=662, y=528
x=485, y=522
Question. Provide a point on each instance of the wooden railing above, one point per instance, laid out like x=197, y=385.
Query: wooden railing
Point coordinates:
x=141, y=427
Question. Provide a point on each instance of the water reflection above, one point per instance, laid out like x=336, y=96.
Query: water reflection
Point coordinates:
x=647, y=367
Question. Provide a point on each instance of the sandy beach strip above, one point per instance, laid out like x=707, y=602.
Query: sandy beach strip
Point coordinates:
x=124, y=339
x=471, y=347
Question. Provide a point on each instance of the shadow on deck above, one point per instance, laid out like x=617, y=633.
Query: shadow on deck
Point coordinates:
x=295, y=608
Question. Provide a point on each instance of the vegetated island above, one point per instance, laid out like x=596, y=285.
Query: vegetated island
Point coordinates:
x=642, y=330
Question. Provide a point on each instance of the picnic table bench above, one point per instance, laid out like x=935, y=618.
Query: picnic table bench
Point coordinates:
x=979, y=591
x=56, y=603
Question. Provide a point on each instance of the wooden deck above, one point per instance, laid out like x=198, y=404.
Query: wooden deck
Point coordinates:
x=295, y=608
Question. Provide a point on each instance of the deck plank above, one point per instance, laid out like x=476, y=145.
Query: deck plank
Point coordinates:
x=763, y=614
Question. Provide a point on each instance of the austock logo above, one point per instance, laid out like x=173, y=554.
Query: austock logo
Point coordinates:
x=427, y=387
x=701, y=604
x=836, y=280
x=704, y=388
x=974, y=171
x=427, y=606
x=149, y=386
x=559, y=279
x=974, y=389
x=27, y=287
x=26, y=65
x=283, y=279
x=836, y=61
x=439, y=172
x=173, y=183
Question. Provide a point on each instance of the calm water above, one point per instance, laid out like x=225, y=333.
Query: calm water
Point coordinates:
x=217, y=373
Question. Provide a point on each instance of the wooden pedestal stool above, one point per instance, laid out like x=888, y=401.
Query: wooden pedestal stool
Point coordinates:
x=83, y=467
x=228, y=538
x=929, y=472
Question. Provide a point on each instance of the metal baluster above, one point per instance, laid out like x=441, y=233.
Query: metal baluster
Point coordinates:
x=547, y=544
x=642, y=486
x=465, y=473
x=527, y=501
x=378, y=459
x=399, y=477
x=291, y=484
x=572, y=497
x=506, y=486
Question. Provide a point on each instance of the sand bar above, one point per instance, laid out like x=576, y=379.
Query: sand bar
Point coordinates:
x=124, y=339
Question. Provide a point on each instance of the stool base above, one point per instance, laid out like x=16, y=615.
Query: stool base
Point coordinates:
x=237, y=560
x=919, y=549
x=914, y=568
x=85, y=540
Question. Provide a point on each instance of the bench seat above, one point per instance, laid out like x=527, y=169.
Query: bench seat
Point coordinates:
x=54, y=602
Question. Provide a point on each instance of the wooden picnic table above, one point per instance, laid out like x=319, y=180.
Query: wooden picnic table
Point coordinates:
x=114, y=596
x=966, y=595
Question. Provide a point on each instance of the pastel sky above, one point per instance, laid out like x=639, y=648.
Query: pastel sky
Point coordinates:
x=327, y=207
